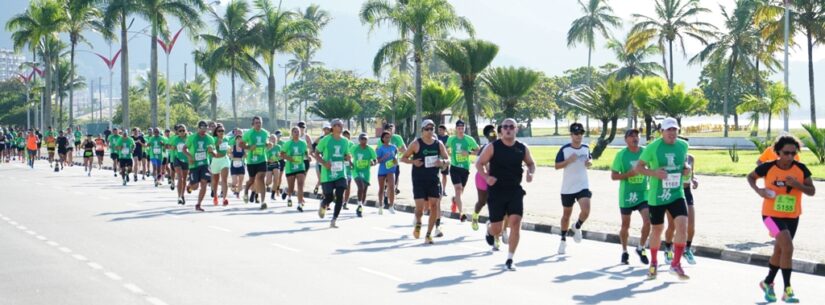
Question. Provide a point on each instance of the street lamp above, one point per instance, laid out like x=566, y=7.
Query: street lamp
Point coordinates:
x=286, y=97
x=167, y=48
x=27, y=81
x=110, y=62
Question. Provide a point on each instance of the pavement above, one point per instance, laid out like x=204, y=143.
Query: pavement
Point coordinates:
x=72, y=239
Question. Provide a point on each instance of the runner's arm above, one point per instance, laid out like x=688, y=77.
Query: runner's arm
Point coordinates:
x=407, y=154
x=484, y=158
x=528, y=160
x=641, y=168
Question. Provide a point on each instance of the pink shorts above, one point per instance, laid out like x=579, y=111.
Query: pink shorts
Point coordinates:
x=480, y=183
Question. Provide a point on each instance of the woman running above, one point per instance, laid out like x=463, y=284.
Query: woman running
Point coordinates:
x=481, y=185
x=273, y=166
x=293, y=151
x=237, y=168
x=62, y=150
x=220, y=164
x=100, y=148
x=387, y=159
x=88, y=154
x=181, y=161
x=363, y=157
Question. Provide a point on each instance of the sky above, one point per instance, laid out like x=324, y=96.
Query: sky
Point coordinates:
x=530, y=33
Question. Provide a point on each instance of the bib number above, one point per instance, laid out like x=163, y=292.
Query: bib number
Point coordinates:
x=672, y=181
x=389, y=164
x=337, y=166
x=429, y=161
x=180, y=147
x=200, y=156
x=461, y=158
x=362, y=164
x=638, y=179
x=224, y=146
x=297, y=159
x=156, y=151
x=237, y=163
x=124, y=151
x=785, y=204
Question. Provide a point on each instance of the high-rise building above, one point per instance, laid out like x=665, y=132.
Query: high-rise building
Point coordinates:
x=10, y=64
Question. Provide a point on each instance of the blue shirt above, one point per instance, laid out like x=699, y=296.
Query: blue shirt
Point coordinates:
x=386, y=152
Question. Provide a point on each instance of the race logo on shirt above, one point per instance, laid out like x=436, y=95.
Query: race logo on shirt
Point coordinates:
x=665, y=196
x=295, y=151
x=633, y=197
x=671, y=165
x=337, y=152
x=258, y=140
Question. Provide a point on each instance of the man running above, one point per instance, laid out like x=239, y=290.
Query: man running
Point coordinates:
x=398, y=141
x=78, y=138
x=62, y=150
x=294, y=151
x=785, y=182
x=332, y=152
x=111, y=140
x=574, y=158
x=70, y=148
x=197, y=147
x=140, y=142
x=177, y=143
x=51, y=144
x=273, y=165
x=428, y=156
x=31, y=148
x=460, y=147
x=310, y=146
x=156, y=144
x=505, y=158
x=256, y=142
x=632, y=193
x=664, y=161
x=363, y=159
x=126, y=146
x=689, y=183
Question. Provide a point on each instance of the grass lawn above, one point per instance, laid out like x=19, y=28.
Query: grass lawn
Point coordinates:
x=709, y=162
x=548, y=132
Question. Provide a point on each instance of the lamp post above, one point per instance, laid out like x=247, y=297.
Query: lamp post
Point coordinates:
x=286, y=97
x=27, y=81
x=167, y=48
x=110, y=62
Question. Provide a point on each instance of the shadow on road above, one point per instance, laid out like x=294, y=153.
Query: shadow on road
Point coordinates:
x=452, y=258
x=412, y=244
x=603, y=272
x=617, y=294
x=278, y=232
x=555, y=258
x=464, y=277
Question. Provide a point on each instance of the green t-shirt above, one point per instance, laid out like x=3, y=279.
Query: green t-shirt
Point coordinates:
x=361, y=161
x=50, y=133
x=126, y=146
x=632, y=191
x=460, y=150
x=222, y=145
x=178, y=144
x=78, y=135
x=156, y=146
x=198, y=147
x=257, y=139
x=333, y=151
x=670, y=157
x=295, y=151
x=114, y=141
x=274, y=154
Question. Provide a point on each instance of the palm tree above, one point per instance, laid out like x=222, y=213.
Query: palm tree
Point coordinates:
x=66, y=83
x=598, y=16
x=678, y=103
x=510, y=84
x=468, y=58
x=187, y=12
x=39, y=23
x=425, y=20
x=675, y=19
x=735, y=46
x=438, y=98
x=115, y=14
x=645, y=91
x=304, y=54
x=335, y=108
x=233, y=46
x=211, y=69
x=605, y=102
x=778, y=99
x=81, y=15
x=633, y=59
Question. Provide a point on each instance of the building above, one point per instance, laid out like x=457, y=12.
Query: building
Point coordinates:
x=10, y=64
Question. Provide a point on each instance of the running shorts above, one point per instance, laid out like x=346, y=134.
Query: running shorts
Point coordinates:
x=254, y=169
x=125, y=163
x=789, y=224
x=567, y=200
x=505, y=201
x=639, y=207
x=480, y=183
x=425, y=189
x=199, y=173
x=676, y=208
x=219, y=164
x=459, y=175
x=329, y=187
x=181, y=164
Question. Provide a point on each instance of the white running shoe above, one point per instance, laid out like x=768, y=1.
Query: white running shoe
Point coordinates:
x=577, y=235
x=562, y=247
x=505, y=236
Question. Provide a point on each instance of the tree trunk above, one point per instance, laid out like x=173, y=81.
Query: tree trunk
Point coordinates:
x=670, y=50
x=590, y=85
x=270, y=90
x=811, y=76
x=556, y=122
x=469, y=98
x=664, y=64
x=648, y=126
x=124, y=71
x=213, y=99
x=419, y=53
x=755, y=131
x=234, y=106
x=153, y=73
x=47, y=94
x=731, y=64
x=71, y=89
x=601, y=143
x=770, y=116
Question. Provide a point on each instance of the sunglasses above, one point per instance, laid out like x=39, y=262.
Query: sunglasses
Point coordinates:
x=181, y=130
x=508, y=127
x=219, y=130
x=789, y=153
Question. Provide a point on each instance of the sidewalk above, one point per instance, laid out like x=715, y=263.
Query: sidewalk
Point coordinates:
x=728, y=222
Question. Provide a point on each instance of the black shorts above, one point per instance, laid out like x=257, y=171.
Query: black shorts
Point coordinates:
x=50, y=150
x=425, y=189
x=296, y=173
x=164, y=161
x=689, y=196
x=459, y=175
x=236, y=171
x=62, y=151
x=2, y=147
x=76, y=144
x=200, y=173
x=68, y=149
x=282, y=164
x=567, y=200
x=676, y=209
x=639, y=207
x=181, y=164
x=504, y=201
x=99, y=153
x=113, y=156
x=306, y=164
x=783, y=224
x=329, y=187
x=138, y=154
x=125, y=163
x=254, y=169
x=273, y=166
x=446, y=172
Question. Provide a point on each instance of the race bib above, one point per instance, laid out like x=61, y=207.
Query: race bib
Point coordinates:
x=297, y=159
x=156, y=151
x=296, y=166
x=462, y=158
x=390, y=163
x=237, y=163
x=180, y=147
x=429, y=161
x=638, y=179
x=785, y=203
x=672, y=181
x=200, y=156
x=125, y=151
x=337, y=166
x=362, y=164
x=224, y=146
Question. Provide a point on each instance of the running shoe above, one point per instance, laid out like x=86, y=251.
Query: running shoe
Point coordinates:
x=283, y=195
x=263, y=206
x=332, y=224
x=171, y=186
x=438, y=233
x=322, y=211
x=180, y=201
x=508, y=265
x=345, y=206
x=642, y=253
x=767, y=289
x=651, y=273
x=462, y=218
x=668, y=256
x=225, y=202
x=689, y=256
x=272, y=195
x=577, y=235
x=392, y=209
x=315, y=191
x=127, y=178
x=358, y=211
x=474, y=223
x=215, y=201
x=245, y=198
x=679, y=272
x=497, y=243
x=489, y=237
x=397, y=191
x=198, y=208
x=789, y=296
x=562, y=247
x=428, y=240
x=289, y=202
x=386, y=203
x=417, y=231
x=625, y=258
x=268, y=189
x=380, y=210
x=453, y=206
x=300, y=207
x=253, y=197
x=505, y=236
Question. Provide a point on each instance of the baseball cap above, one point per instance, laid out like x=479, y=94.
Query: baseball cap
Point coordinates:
x=669, y=123
x=302, y=124
x=459, y=123
x=336, y=122
x=363, y=135
x=576, y=128
x=278, y=133
x=630, y=132
x=327, y=125
x=427, y=122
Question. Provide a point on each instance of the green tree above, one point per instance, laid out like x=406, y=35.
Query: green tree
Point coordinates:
x=335, y=108
x=605, y=102
x=468, y=58
x=116, y=15
x=510, y=84
x=303, y=62
x=211, y=69
x=598, y=16
x=66, y=83
x=437, y=98
x=633, y=59
x=678, y=103
x=778, y=99
x=539, y=103
x=81, y=15
x=645, y=91
x=425, y=20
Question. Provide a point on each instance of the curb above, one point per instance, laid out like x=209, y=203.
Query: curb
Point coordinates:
x=754, y=259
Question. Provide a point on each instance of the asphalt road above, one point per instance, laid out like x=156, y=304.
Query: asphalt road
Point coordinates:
x=72, y=239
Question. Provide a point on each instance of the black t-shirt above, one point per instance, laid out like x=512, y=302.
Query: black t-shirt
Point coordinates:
x=88, y=146
x=139, y=141
x=62, y=142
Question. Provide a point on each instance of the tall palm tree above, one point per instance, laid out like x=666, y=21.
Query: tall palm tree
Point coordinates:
x=633, y=59
x=598, y=16
x=41, y=22
x=304, y=54
x=211, y=69
x=66, y=82
x=81, y=15
x=335, y=108
x=157, y=12
x=115, y=15
x=234, y=43
x=425, y=20
x=468, y=58
x=510, y=84
x=280, y=31
x=674, y=20
x=735, y=46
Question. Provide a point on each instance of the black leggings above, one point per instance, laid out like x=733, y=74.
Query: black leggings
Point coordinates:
x=334, y=191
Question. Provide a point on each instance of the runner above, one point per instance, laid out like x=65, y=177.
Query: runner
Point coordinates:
x=785, y=182
x=347, y=171
x=443, y=136
x=293, y=151
x=39, y=140
x=326, y=130
x=113, y=153
x=273, y=166
x=138, y=152
x=769, y=155
x=51, y=144
x=100, y=148
x=3, y=149
x=363, y=159
x=310, y=145
x=664, y=161
x=398, y=141
x=62, y=150
x=505, y=158
x=156, y=144
x=78, y=138
x=574, y=158
x=256, y=141
x=428, y=156
x=688, y=181
x=332, y=152
x=197, y=147
x=31, y=148
x=237, y=169
x=70, y=147
x=219, y=166
x=460, y=148
x=282, y=166
x=177, y=144
x=126, y=146
x=387, y=154
x=632, y=193
x=168, y=159
x=488, y=132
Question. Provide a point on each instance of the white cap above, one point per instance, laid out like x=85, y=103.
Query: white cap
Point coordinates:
x=669, y=123
x=427, y=122
x=327, y=125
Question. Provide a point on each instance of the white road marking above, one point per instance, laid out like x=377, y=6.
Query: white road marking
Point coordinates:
x=113, y=276
x=5, y=218
x=30, y=232
x=78, y=193
x=14, y=223
x=79, y=257
x=386, y=230
x=102, y=197
x=39, y=183
x=22, y=228
x=133, y=288
x=472, y=248
x=286, y=248
x=41, y=237
x=381, y=274
x=94, y=265
x=53, y=244
x=155, y=301
x=64, y=250
x=220, y=229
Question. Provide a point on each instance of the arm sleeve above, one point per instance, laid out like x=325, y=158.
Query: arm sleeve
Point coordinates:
x=762, y=170
x=617, y=163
